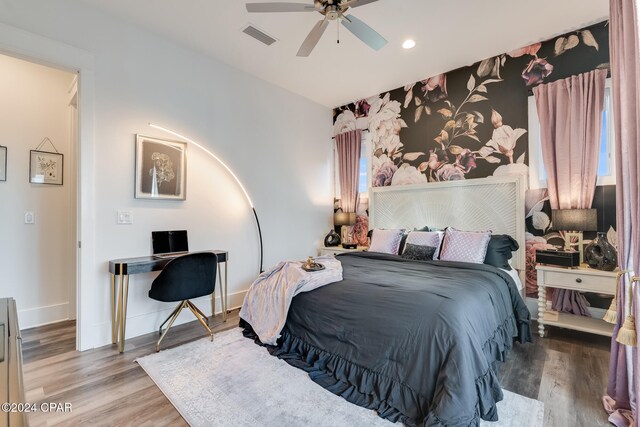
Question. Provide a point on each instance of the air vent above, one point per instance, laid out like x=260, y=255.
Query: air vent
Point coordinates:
x=259, y=35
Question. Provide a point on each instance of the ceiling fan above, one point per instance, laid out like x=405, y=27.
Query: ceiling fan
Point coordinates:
x=332, y=10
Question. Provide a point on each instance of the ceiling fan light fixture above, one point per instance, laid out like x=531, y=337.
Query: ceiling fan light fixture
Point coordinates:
x=409, y=44
x=331, y=10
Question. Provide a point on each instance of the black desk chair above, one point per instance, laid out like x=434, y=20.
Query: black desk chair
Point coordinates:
x=183, y=278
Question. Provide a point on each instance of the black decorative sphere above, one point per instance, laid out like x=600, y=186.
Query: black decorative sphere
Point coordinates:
x=332, y=239
x=600, y=254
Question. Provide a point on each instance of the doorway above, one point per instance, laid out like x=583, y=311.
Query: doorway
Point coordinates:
x=17, y=42
x=39, y=190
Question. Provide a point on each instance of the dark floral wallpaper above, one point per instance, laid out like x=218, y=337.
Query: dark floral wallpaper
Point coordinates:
x=470, y=122
x=473, y=122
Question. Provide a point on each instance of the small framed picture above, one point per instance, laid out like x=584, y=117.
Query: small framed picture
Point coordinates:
x=161, y=169
x=45, y=168
x=3, y=163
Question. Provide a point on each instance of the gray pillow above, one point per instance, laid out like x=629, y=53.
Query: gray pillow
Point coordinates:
x=418, y=252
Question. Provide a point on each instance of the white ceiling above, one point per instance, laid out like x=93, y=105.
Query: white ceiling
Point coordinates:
x=449, y=34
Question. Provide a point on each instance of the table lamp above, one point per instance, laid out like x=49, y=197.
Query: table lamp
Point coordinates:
x=344, y=220
x=573, y=222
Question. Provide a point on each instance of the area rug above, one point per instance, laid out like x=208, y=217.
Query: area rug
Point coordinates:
x=234, y=382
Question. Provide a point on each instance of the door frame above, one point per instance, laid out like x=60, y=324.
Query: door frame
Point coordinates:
x=25, y=45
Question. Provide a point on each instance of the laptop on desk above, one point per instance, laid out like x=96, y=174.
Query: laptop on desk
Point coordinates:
x=169, y=244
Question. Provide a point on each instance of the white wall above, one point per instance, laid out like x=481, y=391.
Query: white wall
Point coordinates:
x=37, y=260
x=278, y=144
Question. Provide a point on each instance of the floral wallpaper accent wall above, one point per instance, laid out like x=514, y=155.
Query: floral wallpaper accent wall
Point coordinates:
x=473, y=123
x=470, y=122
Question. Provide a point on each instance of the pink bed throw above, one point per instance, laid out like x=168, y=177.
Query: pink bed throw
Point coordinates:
x=267, y=302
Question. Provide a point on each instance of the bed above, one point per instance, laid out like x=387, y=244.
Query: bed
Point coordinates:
x=419, y=342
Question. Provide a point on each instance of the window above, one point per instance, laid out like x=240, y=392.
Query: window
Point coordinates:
x=363, y=184
x=363, y=181
x=606, y=160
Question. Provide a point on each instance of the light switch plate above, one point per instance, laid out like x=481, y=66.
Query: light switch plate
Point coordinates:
x=125, y=217
x=29, y=218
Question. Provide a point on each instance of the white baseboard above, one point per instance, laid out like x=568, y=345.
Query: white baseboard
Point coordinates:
x=40, y=316
x=145, y=323
x=532, y=305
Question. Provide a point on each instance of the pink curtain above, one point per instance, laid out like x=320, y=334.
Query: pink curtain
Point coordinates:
x=348, y=144
x=624, y=385
x=570, y=113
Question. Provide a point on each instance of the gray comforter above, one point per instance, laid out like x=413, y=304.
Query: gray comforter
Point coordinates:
x=416, y=341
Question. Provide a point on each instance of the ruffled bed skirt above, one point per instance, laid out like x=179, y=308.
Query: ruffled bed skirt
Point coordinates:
x=391, y=399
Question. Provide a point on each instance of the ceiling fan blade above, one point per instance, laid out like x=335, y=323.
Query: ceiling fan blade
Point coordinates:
x=313, y=38
x=364, y=32
x=279, y=7
x=355, y=3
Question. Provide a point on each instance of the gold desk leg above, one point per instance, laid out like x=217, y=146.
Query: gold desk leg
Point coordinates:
x=225, y=298
x=114, y=320
x=221, y=288
x=213, y=295
x=123, y=321
x=119, y=310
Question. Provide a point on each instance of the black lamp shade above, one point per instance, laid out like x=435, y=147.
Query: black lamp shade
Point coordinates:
x=575, y=219
x=344, y=218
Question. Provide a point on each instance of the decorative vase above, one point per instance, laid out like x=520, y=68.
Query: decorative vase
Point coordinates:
x=600, y=254
x=332, y=239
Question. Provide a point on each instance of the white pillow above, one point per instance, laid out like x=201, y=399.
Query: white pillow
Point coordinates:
x=426, y=238
x=386, y=241
x=515, y=276
x=465, y=246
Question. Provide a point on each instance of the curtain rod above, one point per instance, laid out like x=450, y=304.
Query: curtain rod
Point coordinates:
x=530, y=91
x=362, y=130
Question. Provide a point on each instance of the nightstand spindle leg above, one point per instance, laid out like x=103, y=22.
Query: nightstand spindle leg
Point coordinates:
x=542, y=306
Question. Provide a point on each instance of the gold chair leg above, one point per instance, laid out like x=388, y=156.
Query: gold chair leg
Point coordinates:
x=169, y=317
x=196, y=312
x=173, y=319
x=199, y=311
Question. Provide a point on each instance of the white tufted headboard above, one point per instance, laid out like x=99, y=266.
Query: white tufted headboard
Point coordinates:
x=495, y=203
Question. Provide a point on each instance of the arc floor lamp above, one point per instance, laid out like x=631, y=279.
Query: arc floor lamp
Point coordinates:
x=228, y=169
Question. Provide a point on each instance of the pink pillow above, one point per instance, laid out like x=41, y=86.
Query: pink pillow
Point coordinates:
x=465, y=246
x=386, y=241
x=426, y=238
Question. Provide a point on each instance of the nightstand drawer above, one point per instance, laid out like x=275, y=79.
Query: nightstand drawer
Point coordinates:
x=573, y=279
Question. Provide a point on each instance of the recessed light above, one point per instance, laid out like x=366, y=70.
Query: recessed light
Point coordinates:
x=408, y=44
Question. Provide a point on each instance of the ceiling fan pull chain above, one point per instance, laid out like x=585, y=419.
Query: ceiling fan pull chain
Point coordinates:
x=338, y=31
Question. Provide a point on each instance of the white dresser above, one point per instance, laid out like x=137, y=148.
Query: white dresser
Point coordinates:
x=12, y=391
x=577, y=279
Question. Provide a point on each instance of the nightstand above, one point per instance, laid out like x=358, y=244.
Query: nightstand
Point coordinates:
x=576, y=279
x=336, y=250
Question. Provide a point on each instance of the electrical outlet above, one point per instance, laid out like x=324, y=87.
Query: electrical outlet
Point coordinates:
x=125, y=217
x=29, y=218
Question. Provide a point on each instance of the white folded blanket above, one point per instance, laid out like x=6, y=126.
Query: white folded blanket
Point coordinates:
x=267, y=302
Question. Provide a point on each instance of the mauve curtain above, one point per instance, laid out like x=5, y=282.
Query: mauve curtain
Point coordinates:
x=348, y=145
x=570, y=113
x=624, y=385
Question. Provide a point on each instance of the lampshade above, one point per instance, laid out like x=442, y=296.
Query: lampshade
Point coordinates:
x=344, y=218
x=575, y=219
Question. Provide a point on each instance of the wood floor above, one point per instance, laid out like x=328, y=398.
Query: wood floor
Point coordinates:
x=566, y=370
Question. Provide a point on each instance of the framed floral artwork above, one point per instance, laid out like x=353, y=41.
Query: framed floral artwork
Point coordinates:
x=3, y=163
x=161, y=169
x=46, y=168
